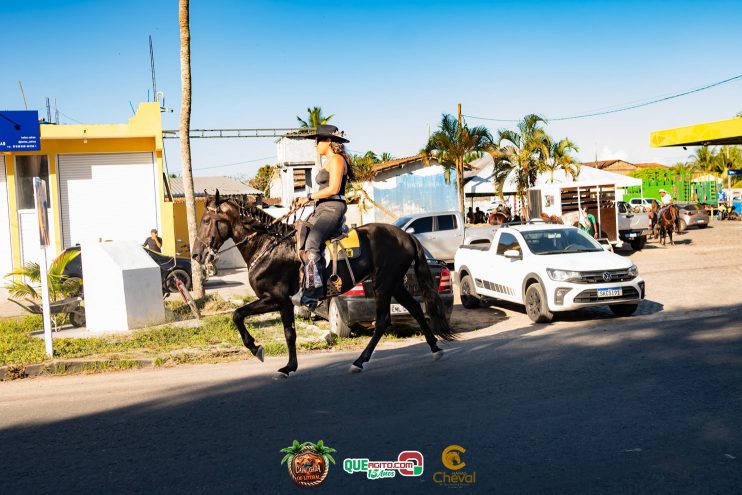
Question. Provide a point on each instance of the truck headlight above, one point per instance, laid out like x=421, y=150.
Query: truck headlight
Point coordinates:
x=633, y=271
x=562, y=275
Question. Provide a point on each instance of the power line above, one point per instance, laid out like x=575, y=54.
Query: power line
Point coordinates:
x=69, y=118
x=623, y=108
x=236, y=163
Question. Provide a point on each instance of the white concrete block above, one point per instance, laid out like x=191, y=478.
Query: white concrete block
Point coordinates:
x=123, y=288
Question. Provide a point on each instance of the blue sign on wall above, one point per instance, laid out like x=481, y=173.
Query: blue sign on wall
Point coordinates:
x=734, y=172
x=19, y=130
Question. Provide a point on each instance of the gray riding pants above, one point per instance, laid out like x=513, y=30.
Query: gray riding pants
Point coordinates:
x=325, y=221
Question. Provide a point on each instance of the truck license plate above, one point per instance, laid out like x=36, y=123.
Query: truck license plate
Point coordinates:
x=610, y=292
x=631, y=236
x=398, y=309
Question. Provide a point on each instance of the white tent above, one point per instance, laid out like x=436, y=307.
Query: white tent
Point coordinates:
x=482, y=183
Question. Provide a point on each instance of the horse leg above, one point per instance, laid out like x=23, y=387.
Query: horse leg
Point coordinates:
x=383, y=320
x=258, y=307
x=669, y=234
x=287, y=318
x=403, y=297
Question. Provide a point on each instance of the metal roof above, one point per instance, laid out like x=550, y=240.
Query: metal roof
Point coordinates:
x=226, y=185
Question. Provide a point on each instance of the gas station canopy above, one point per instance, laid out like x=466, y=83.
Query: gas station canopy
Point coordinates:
x=711, y=133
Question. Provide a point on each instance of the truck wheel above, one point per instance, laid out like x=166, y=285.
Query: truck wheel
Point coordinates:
x=337, y=325
x=638, y=243
x=468, y=293
x=623, y=309
x=682, y=225
x=536, y=307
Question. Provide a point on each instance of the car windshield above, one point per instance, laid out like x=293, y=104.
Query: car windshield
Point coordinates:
x=560, y=241
x=401, y=221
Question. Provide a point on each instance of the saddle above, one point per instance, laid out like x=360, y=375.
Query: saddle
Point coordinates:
x=345, y=245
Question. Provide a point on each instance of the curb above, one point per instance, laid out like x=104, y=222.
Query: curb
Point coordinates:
x=17, y=371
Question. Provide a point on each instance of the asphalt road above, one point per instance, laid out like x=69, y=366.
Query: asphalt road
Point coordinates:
x=649, y=404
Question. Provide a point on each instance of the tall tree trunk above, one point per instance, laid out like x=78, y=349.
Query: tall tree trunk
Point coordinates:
x=460, y=185
x=185, y=141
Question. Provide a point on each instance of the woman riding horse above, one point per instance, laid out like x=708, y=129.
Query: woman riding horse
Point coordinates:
x=269, y=250
x=329, y=211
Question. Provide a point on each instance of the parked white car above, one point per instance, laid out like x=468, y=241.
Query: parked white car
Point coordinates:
x=443, y=232
x=643, y=202
x=548, y=268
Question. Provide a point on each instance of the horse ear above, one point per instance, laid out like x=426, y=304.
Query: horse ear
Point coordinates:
x=217, y=197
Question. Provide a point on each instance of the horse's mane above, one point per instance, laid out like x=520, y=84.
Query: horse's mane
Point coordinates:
x=264, y=218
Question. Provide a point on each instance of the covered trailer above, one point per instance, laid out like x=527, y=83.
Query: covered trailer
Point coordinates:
x=565, y=200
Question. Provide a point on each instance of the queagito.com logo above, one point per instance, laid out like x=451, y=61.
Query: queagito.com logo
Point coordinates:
x=451, y=459
x=408, y=463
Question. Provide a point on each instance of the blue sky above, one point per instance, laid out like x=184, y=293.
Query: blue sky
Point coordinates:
x=387, y=70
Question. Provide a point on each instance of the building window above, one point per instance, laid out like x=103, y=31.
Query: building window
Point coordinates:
x=26, y=168
x=302, y=179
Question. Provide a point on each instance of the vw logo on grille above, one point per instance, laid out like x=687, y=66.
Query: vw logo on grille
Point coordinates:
x=607, y=276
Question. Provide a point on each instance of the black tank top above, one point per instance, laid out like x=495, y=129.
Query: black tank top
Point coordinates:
x=323, y=180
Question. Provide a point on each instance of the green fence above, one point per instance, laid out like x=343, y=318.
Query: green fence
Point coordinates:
x=681, y=191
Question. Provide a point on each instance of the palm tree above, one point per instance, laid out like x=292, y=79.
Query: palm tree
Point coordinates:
x=561, y=159
x=185, y=140
x=522, y=152
x=385, y=157
x=450, y=145
x=314, y=118
x=685, y=169
x=25, y=283
x=704, y=159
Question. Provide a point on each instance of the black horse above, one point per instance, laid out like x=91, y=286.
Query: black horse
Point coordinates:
x=269, y=250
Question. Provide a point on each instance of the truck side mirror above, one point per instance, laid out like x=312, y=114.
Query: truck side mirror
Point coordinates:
x=513, y=254
x=410, y=230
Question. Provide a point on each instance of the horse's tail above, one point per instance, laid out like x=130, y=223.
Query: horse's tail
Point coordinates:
x=433, y=302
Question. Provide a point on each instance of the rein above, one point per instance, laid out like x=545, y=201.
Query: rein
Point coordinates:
x=277, y=240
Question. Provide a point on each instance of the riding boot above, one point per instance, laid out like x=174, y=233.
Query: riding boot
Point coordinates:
x=313, y=290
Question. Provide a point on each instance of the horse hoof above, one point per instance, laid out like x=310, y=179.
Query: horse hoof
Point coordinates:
x=355, y=369
x=437, y=355
x=280, y=375
x=259, y=353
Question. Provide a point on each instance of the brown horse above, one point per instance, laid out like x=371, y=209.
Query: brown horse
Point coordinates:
x=665, y=223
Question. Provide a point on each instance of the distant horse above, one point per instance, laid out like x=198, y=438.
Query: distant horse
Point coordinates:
x=665, y=223
x=269, y=250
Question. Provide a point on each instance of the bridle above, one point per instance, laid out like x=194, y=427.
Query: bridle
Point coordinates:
x=212, y=254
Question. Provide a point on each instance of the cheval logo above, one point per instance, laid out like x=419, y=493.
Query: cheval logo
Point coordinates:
x=308, y=463
x=408, y=463
x=451, y=458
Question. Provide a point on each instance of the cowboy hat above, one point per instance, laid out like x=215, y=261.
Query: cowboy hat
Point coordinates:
x=663, y=191
x=326, y=131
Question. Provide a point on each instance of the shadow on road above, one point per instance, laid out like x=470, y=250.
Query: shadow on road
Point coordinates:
x=617, y=406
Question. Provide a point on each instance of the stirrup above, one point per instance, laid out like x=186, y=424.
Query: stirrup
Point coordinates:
x=309, y=298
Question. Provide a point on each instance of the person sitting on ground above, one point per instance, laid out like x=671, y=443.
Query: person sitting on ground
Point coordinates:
x=153, y=243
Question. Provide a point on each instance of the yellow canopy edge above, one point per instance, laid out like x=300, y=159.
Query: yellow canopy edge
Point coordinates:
x=711, y=133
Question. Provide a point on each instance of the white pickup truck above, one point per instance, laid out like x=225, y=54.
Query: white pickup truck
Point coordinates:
x=443, y=232
x=633, y=225
x=548, y=268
